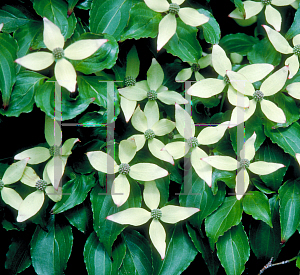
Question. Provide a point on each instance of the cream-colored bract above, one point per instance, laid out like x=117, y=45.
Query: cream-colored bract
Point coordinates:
x=64, y=71
x=169, y=214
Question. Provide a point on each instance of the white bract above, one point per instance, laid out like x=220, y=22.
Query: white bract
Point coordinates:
x=55, y=167
x=141, y=171
x=281, y=45
x=168, y=214
x=209, y=135
x=151, y=89
x=64, y=71
x=298, y=157
x=35, y=200
x=167, y=26
x=246, y=155
x=243, y=77
x=252, y=8
x=294, y=90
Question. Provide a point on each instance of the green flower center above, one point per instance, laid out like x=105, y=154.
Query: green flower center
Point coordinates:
x=266, y=2
x=1, y=184
x=124, y=168
x=54, y=151
x=226, y=79
x=296, y=50
x=156, y=214
x=149, y=134
x=193, y=142
x=258, y=95
x=58, y=53
x=152, y=95
x=174, y=8
x=129, y=81
x=195, y=67
x=244, y=163
x=41, y=185
x=171, y=135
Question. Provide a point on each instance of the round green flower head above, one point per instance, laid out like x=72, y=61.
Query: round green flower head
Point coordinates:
x=174, y=8
x=1, y=185
x=226, y=79
x=244, y=163
x=41, y=185
x=266, y=2
x=149, y=134
x=124, y=168
x=193, y=142
x=152, y=95
x=129, y=81
x=54, y=151
x=156, y=214
x=58, y=53
x=258, y=95
x=195, y=67
x=296, y=50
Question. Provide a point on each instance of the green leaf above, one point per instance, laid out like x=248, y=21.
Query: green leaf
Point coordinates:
x=51, y=249
x=260, y=185
x=264, y=52
x=264, y=240
x=138, y=254
x=294, y=29
x=269, y=152
x=22, y=97
x=286, y=138
x=104, y=58
x=143, y=22
x=109, y=16
x=233, y=250
x=118, y=255
x=289, y=195
x=239, y=4
x=175, y=263
x=211, y=29
x=196, y=193
x=74, y=192
x=184, y=43
x=257, y=205
x=96, y=259
x=226, y=216
x=13, y=17
x=103, y=206
x=202, y=245
x=238, y=43
x=71, y=5
x=18, y=255
x=80, y=216
x=8, y=54
x=44, y=99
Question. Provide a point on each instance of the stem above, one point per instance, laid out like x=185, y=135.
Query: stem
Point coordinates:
x=269, y=264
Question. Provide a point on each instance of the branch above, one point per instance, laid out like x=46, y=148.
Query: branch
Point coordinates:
x=269, y=264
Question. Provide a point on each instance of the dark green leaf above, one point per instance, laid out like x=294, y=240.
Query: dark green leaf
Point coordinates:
x=85, y=5
x=257, y=205
x=143, y=22
x=109, y=16
x=294, y=29
x=118, y=255
x=74, y=192
x=228, y=177
x=184, y=43
x=226, y=216
x=8, y=54
x=260, y=185
x=22, y=97
x=71, y=5
x=51, y=249
x=289, y=195
x=96, y=259
x=233, y=250
x=238, y=43
x=239, y=4
x=211, y=29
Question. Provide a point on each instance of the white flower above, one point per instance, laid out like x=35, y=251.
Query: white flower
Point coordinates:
x=64, y=71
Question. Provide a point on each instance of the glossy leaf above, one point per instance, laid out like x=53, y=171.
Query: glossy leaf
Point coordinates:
x=294, y=29
x=211, y=29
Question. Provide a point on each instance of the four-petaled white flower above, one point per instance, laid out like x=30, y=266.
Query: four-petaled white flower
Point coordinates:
x=141, y=171
x=167, y=26
x=149, y=124
x=252, y=8
x=11, y=175
x=168, y=214
x=246, y=154
x=245, y=76
x=64, y=71
x=209, y=135
x=34, y=201
x=151, y=89
x=281, y=45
